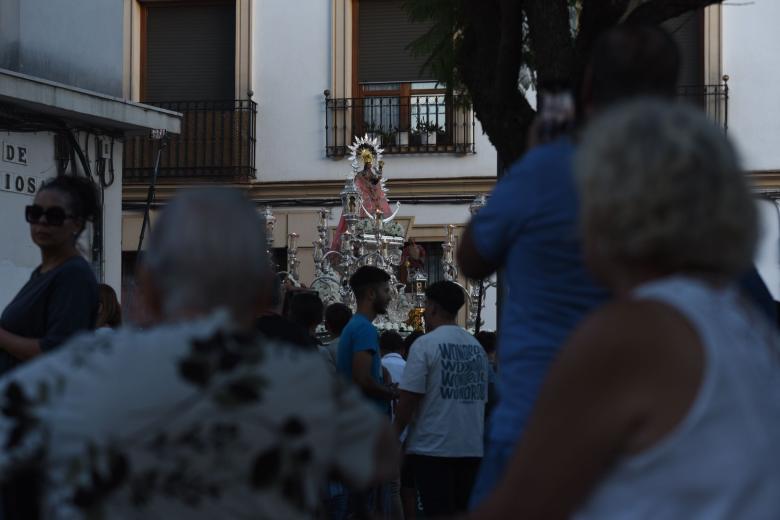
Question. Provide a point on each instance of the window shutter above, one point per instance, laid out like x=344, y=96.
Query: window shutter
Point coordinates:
x=190, y=53
x=687, y=32
x=384, y=33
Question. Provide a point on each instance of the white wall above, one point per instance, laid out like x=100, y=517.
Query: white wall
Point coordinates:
x=750, y=58
x=18, y=255
x=78, y=43
x=292, y=67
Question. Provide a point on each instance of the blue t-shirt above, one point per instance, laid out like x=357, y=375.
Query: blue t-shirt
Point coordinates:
x=359, y=334
x=530, y=229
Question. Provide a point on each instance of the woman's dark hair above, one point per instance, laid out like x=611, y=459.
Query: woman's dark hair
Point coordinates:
x=306, y=309
x=391, y=341
x=487, y=339
x=81, y=192
x=337, y=315
x=110, y=313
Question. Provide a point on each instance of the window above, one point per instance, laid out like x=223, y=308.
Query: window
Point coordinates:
x=384, y=33
x=395, y=98
x=433, y=255
x=398, y=93
x=189, y=52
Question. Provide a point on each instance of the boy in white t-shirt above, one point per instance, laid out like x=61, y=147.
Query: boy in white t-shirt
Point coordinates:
x=443, y=395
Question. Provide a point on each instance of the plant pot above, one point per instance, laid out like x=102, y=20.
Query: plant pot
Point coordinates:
x=429, y=138
x=403, y=138
x=415, y=140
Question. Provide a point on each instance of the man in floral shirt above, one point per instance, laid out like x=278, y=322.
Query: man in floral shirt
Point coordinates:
x=196, y=417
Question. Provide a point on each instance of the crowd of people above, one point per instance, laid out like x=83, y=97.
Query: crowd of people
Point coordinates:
x=636, y=372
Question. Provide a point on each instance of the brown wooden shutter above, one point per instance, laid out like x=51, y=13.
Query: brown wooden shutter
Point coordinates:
x=190, y=52
x=688, y=32
x=384, y=32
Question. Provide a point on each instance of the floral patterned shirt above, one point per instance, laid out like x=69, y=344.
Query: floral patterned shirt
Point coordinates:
x=183, y=421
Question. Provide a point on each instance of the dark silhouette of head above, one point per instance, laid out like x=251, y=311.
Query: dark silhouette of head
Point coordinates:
x=487, y=339
x=390, y=341
x=109, y=311
x=629, y=61
x=443, y=301
x=337, y=315
x=306, y=309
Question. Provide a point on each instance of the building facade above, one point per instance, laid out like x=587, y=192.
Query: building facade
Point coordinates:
x=272, y=92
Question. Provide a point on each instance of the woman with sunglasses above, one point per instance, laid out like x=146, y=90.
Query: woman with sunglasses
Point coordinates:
x=61, y=297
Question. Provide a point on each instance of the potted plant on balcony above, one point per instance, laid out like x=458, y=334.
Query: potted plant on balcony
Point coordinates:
x=428, y=131
x=403, y=136
x=388, y=137
x=415, y=137
x=371, y=129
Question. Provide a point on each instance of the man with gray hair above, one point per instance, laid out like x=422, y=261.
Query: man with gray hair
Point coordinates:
x=196, y=417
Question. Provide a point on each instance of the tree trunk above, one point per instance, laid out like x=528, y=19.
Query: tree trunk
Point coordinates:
x=491, y=52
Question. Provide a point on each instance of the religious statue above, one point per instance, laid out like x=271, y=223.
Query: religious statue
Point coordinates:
x=367, y=167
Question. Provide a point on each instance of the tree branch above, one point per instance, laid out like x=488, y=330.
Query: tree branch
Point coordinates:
x=489, y=66
x=550, y=39
x=510, y=55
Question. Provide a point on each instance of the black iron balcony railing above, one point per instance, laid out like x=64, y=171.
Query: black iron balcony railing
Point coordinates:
x=713, y=99
x=420, y=123
x=217, y=142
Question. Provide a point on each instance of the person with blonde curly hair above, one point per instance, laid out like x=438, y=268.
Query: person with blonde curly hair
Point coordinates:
x=664, y=403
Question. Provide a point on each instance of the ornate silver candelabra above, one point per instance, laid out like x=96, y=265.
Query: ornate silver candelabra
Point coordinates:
x=270, y=225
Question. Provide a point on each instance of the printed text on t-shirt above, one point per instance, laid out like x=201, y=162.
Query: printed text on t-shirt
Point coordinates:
x=463, y=372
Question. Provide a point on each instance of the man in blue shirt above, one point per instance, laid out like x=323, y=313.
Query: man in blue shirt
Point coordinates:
x=529, y=230
x=358, y=353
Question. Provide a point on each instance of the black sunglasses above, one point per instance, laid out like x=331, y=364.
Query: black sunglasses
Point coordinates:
x=55, y=215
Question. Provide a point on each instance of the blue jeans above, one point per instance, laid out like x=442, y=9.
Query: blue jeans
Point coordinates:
x=336, y=501
x=491, y=471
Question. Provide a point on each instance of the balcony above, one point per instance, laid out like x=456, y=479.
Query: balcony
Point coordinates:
x=415, y=124
x=713, y=99
x=217, y=142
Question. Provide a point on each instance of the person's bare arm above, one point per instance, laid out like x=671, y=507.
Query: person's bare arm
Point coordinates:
x=361, y=374
x=625, y=379
x=407, y=406
x=19, y=347
x=470, y=261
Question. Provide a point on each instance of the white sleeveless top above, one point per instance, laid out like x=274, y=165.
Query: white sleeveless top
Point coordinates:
x=723, y=460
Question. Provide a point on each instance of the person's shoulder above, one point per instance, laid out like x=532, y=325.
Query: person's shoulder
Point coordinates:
x=557, y=154
x=633, y=333
x=427, y=341
x=283, y=363
x=76, y=269
x=360, y=323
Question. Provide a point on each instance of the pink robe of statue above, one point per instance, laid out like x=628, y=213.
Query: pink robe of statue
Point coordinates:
x=373, y=198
